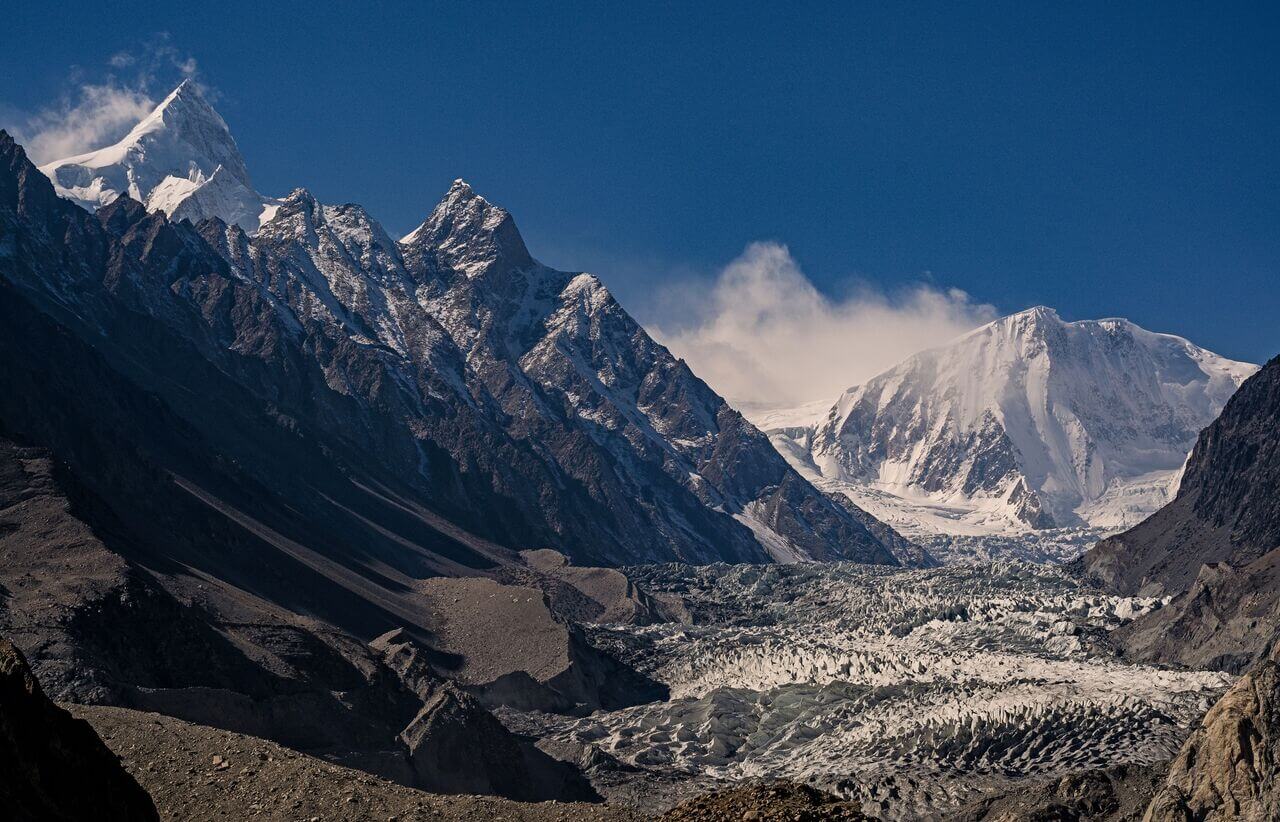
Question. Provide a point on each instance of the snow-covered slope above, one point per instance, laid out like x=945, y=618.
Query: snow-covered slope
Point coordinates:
x=1026, y=423
x=181, y=159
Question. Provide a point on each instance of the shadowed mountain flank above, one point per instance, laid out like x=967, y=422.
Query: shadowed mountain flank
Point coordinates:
x=53, y=766
x=1215, y=546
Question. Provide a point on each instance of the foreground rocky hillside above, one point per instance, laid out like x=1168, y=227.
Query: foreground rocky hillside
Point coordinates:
x=194, y=772
x=1228, y=769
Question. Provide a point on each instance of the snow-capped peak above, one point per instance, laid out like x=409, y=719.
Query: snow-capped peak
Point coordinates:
x=471, y=234
x=180, y=159
x=1028, y=421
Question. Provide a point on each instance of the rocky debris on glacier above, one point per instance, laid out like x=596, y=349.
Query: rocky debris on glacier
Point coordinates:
x=1117, y=794
x=1025, y=424
x=909, y=692
x=1051, y=546
x=779, y=801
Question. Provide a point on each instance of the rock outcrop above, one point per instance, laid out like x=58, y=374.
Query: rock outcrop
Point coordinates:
x=456, y=746
x=53, y=767
x=1229, y=769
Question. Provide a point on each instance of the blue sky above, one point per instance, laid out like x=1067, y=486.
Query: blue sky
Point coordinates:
x=1101, y=160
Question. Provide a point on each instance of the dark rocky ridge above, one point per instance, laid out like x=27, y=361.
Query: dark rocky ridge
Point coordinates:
x=219, y=479
x=53, y=767
x=1216, y=546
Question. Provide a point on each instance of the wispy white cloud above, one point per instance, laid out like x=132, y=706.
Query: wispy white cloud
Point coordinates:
x=761, y=333
x=100, y=106
x=94, y=116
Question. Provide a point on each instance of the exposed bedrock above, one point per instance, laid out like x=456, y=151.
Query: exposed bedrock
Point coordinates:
x=1227, y=770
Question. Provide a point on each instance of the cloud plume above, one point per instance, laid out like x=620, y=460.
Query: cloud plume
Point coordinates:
x=762, y=334
x=94, y=116
x=93, y=113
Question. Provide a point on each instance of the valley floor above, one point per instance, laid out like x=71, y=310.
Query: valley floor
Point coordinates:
x=911, y=692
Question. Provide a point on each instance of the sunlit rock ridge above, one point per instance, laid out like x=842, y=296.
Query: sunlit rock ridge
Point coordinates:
x=557, y=420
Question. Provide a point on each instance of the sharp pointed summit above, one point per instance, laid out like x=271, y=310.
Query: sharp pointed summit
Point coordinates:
x=180, y=159
x=468, y=233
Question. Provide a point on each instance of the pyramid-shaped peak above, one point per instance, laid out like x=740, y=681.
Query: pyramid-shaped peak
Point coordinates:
x=462, y=203
x=186, y=101
x=180, y=159
x=468, y=232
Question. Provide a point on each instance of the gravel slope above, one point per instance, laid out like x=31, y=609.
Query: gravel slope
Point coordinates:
x=195, y=772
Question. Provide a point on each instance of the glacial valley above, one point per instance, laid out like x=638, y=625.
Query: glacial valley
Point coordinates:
x=912, y=692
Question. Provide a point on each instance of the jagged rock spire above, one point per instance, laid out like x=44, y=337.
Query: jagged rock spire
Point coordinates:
x=469, y=234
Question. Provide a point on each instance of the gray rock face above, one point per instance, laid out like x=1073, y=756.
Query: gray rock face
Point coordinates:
x=1227, y=770
x=1215, y=546
x=54, y=767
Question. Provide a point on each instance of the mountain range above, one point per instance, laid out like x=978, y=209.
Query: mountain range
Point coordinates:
x=264, y=467
x=245, y=442
x=483, y=380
